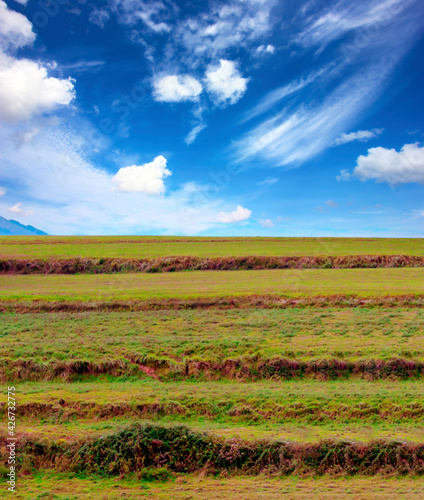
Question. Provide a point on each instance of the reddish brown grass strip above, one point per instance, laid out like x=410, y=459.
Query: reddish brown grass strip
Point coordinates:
x=175, y=264
x=237, y=302
x=243, y=369
x=65, y=411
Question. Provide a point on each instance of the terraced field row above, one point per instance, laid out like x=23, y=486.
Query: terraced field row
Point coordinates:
x=139, y=247
x=171, y=380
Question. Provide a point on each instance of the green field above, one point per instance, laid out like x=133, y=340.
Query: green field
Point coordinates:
x=289, y=283
x=300, y=411
x=215, y=335
x=137, y=247
x=317, y=375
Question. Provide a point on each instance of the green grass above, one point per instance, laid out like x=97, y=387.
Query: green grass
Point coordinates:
x=292, y=283
x=214, y=335
x=56, y=486
x=155, y=246
x=297, y=404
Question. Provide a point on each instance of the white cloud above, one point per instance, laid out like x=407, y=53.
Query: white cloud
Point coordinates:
x=391, y=166
x=266, y=223
x=71, y=195
x=360, y=135
x=194, y=132
x=174, y=88
x=239, y=24
x=345, y=175
x=418, y=213
x=15, y=29
x=240, y=214
x=225, y=82
x=277, y=95
x=22, y=2
x=306, y=130
x=146, y=178
x=265, y=49
x=295, y=132
x=26, y=90
x=268, y=182
x=151, y=13
x=2, y=191
x=16, y=209
x=345, y=16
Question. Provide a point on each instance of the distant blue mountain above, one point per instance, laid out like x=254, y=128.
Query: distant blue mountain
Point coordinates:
x=15, y=228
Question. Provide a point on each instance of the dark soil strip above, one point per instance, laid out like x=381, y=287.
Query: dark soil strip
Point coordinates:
x=180, y=450
x=174, y=264
x=245, y=369
x=238, y=302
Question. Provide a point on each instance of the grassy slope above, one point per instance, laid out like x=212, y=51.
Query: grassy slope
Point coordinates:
x=149, y=247
x=303, y=411
x=310, y=282
x=215, y=335
x=199, y=487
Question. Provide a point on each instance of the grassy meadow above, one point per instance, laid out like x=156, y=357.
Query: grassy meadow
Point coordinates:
x=180, y=400
x=138, y=247
x=204, y=284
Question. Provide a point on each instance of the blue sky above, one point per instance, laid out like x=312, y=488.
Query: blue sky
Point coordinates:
x=250, y=117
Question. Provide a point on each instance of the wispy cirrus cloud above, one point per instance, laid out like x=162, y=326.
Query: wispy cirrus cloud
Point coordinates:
x=297, y=136
x=360, y=135
x=295, y=133
x=343, y=16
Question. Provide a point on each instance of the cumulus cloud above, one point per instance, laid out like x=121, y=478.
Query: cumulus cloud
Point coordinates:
x=71, y=195
x=345, y=175
x=26, y=89
x=266, y=223
x=391, y=166
x=174, y=88
x=15, y=29
x=225, y=82
x=265, y=49
x=147, y=178
x=360, y=135
x=16, y=209
x=238, y=215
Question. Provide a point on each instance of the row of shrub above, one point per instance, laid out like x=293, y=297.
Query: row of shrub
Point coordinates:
x=246, y=369
x=185, y=263
x=235, y=302
x=181, y=450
